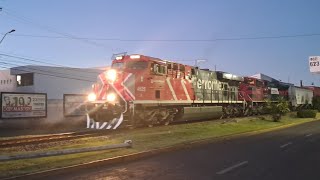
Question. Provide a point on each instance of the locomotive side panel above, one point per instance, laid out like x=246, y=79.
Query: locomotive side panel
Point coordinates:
x=252, y=89
x=207, y=87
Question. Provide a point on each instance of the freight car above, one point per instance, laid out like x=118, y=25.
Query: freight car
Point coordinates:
x=143, y=90
x=300, y=96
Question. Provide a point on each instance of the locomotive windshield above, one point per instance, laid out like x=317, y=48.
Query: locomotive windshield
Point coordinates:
x=117, y=65
x=138, y=65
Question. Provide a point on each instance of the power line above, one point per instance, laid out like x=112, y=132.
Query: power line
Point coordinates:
x=29, y=70
x=50, y=29
x=51, y=71
x=171, y=40
x=43, y=62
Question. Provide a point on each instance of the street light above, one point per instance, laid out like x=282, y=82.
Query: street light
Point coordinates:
x=6, y=34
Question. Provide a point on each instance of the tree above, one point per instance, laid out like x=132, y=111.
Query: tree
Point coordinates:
x=277, y=108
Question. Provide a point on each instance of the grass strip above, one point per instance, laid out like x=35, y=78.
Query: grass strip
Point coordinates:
x=143, y=140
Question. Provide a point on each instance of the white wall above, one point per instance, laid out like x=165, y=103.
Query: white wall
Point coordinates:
x=56, y=81
x=4, y=76
x=55, y=87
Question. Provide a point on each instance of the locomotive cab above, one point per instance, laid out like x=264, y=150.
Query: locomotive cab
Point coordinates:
x=114, y=89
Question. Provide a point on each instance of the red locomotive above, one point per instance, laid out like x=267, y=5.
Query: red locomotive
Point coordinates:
x=146, y=90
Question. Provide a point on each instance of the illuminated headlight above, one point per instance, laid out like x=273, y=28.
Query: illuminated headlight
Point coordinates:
x=111, y=75
x=111, y=97
x=135, y=56
x=92, y=97
x=118, y=57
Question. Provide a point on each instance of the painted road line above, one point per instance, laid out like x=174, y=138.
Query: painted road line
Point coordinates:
x=232, y=167
x=308, y=135
x=285, y=145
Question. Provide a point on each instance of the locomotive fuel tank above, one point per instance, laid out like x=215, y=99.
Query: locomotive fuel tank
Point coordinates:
x=201, y=113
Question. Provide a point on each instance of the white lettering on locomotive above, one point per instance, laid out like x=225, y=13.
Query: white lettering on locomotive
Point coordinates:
x=206, y=84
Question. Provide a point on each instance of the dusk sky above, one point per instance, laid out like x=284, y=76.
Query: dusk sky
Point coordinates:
x=243, y=37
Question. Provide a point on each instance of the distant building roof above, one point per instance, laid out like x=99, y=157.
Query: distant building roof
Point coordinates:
x=54, y=70
x=270, y=79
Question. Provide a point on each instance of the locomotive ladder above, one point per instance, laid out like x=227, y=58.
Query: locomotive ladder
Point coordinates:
x=245, y=102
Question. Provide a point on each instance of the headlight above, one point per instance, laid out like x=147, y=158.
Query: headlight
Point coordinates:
x=111, y=75
x=111, y=97
x=92, y=97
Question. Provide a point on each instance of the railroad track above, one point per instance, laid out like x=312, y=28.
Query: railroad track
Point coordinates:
x=50, y=138
x=75, y=135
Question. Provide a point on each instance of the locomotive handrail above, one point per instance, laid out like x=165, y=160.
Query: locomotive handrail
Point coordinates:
x=246, y=95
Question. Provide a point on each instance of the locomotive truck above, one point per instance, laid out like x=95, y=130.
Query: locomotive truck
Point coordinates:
x=143, y=90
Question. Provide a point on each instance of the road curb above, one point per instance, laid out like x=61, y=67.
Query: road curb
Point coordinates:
x=146, y=154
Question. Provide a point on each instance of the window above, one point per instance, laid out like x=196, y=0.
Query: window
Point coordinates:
x=25, y=79
x=162, y=69
x=175, y=66
x=157, y=94
x=193, y=71
x=118, y=65
x=182, y=68
x=159, y=69
x=137, y=65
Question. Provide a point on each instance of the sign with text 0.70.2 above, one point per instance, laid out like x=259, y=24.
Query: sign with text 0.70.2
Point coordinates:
x=314, y=64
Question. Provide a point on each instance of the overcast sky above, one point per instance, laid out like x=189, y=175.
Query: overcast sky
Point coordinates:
x=243, y=37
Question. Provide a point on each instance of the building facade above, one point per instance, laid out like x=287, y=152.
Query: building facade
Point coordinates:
x=54, y=81
x=7, y=81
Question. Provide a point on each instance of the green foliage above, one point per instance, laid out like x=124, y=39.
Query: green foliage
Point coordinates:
x=278, y=108
x=316, y=103
x=307, y=113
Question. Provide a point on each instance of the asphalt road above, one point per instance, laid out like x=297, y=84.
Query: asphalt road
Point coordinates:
x=292, y=153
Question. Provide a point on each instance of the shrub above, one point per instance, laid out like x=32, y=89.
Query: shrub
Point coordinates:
x=316, y=103
x=277, y=109
x=307, y=113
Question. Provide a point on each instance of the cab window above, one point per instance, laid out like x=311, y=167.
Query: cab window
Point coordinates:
x=118, y=65
x=138, y=65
